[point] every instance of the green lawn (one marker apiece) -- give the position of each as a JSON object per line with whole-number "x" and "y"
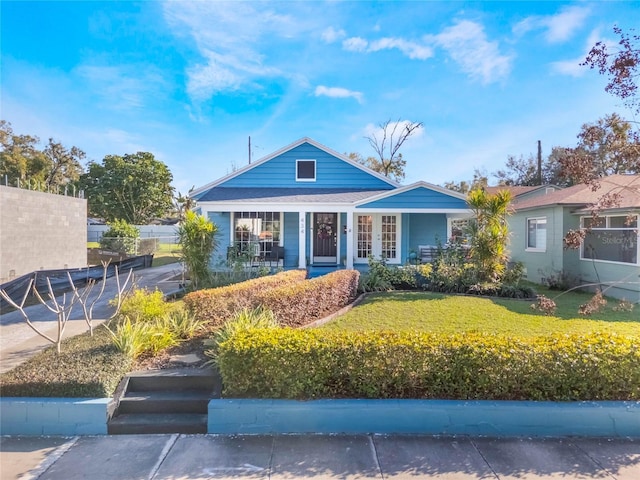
{"x": 454, "y": 314}
{"x": 166, "y": 253}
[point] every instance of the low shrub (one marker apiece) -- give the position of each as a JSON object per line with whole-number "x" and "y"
{"x": 217, "y": 305}
{"x": 88, "y": 366}
{"x": 144, "y": 305}
{"x": 310, "y": 363}
{"x": 301, "y": 303}
{"x": 143, "y": 337}
{"x": 183, "y": 323}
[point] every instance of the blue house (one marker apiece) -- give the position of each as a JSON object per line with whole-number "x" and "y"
{"x": 307, "y": 205}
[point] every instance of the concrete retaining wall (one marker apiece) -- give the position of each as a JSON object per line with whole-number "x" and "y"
{"x": 432, "y": 417}
{"x": 40, "y": 231}
{"x": 53, "y": 416}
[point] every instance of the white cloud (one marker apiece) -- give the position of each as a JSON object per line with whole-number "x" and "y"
{"x": 572, "y": 67}
{"x": 331, "y": 35}
{"x": 355, "y": 44}
{"x": 412, "y": 50}
{"x": 467, "y": 44}
{"x": 229, "y": 36}
{"x": 558, "y": 28}
{"x": 337, "y": 92}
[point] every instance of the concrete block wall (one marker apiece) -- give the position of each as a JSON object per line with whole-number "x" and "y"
{"x": 54, "y": 416}
{"x": 40, "y": 231}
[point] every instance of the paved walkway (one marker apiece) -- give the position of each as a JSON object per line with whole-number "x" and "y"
{"x": 18, "y": 341}
{"x": 315, "y": 456}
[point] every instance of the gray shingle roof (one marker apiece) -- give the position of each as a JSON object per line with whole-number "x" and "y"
{"x": 287, "y": 195}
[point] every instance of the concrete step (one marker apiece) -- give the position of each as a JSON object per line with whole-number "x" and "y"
{"x": 139, "y": 423}
{"x": 205, "y": 380}
{"x": 175, "y": 401}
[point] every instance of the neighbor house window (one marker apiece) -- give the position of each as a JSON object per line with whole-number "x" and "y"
{"x": 306, "y": 170}
{"x": 537, "y": 234}
{"x": 611, "y": 239}
{"x": 256, "y": 232}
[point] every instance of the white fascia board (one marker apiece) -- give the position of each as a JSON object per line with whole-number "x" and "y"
{"x": 291, "y": 146}
{"x": 413, "y": 186}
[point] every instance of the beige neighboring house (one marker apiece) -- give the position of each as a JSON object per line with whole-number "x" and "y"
{"x": 610, "y": 252}
{"x": 40, "y": 231}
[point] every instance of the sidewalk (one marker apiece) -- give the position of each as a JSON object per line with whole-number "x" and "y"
{"x": 315, "y": 456}
{"x": 18, "y": 341}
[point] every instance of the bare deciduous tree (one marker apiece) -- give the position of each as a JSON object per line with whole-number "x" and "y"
{"x": 387, "y": 143}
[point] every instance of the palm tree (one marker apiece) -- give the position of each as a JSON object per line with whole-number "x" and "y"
{"x": 489, "y": 232}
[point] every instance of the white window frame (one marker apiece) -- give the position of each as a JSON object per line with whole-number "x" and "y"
{"x": 315, "y": 171}
{"x": 526, "y": 236}
{"x": 606, "y": 227}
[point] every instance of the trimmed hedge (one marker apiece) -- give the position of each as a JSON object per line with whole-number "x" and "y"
{"x": 306, "y": 364}
{"x": 217, "y": 305}
{"x": 88, "y": 366}
{"x": 301, "y": 303}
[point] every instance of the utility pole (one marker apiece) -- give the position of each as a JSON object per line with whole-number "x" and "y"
{"x": 539, "y": 162}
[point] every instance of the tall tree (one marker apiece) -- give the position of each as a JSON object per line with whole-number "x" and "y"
{"x": 64, "y": 164}
{"x": 480, "y": 180}
{"x": 22, "y": 160}
{"x": 606, "y": 147}
{"x": 134, "y": 187}
{"x": 621, "y": 64}
{"x": 387, "y": 142}
{"x": 524, "y": 172}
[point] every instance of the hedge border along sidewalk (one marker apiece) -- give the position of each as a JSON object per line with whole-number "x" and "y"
{"x": 310, "y": 364}
{"x": 217, "y": 305}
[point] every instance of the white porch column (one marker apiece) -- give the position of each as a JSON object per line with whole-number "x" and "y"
{"x": 349, "y": 264}
{"x": 302, "y": 238}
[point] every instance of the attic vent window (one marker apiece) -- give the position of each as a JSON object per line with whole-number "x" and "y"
{"x": 305, "y": 170}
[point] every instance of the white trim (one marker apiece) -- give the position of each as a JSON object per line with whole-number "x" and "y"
{"x": 291, "y": 146}
{"x": 612, "y": 229}
{"x": 527, "y": 248}
{"x": 376, "y": 243}
{"x": 315, "y": 171}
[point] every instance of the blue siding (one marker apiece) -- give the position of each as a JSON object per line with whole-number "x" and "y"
{"x": 291, "y": 240}
{"x": 419, "y": 197}
{"x": 426, "y": 229}
{"x": 222, "y": 221}
{"x": 405, "y": 244}
{"x": 331, "y": 172}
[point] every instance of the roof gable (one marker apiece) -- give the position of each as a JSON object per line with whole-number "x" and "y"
{"x": 419, "y": 195}
{"x": 627, "y": 186}
{"x": 278, "y": 169}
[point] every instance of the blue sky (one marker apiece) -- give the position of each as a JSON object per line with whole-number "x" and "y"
{"x": 191, "y": 81}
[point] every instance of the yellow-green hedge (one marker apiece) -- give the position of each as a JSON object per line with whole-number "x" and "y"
{"x": 305, "y": 364}
{"x": 217, "y": 305}
{"x": 301, "y": 303}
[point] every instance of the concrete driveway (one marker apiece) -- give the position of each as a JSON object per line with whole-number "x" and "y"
{"x": 315, "y": 457}
{"x": 18, "y": 341}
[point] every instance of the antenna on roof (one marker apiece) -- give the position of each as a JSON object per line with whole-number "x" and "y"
{"x": 249, "y": 149}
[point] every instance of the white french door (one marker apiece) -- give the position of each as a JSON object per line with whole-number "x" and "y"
{"x": 378, "y": 235}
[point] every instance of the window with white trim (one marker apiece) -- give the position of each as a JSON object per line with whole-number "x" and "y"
{"x": 256, "y": 232}
{"x": 537, "y": 234}
{"x": 305, "y": 170}
{"x": 611, "y": 238}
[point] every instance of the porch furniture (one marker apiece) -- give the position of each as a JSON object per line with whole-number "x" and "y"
{"x": 427, "y": 253}
{"x": 274, "y": 258}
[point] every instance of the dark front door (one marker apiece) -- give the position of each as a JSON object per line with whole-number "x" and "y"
{"x": 325, "y": 237}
